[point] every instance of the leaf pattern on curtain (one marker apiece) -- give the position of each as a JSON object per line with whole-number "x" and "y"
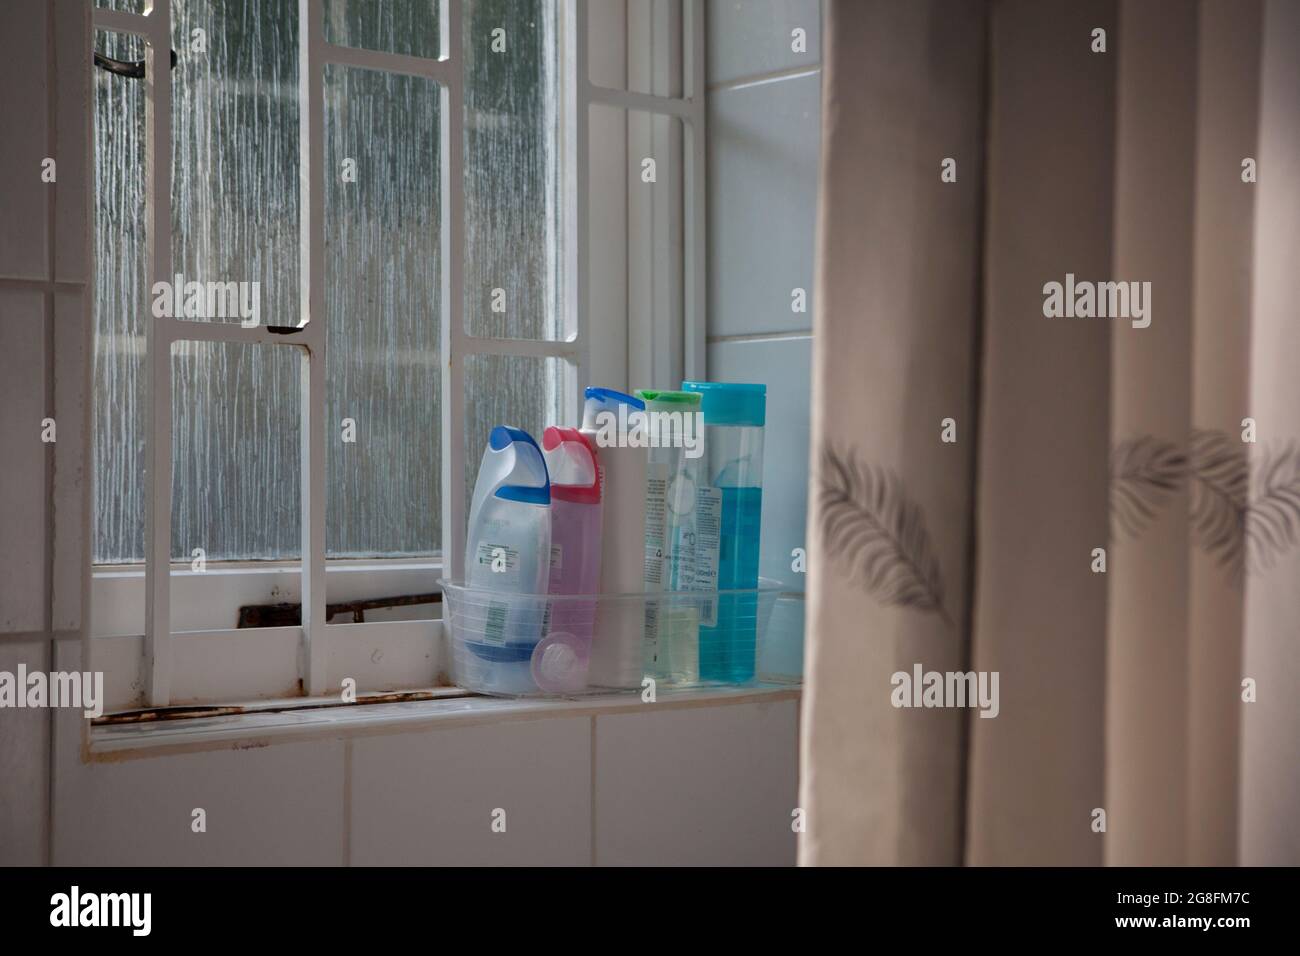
{"x": 1240, "y": 529}
{"x": 1273, "y": 522}
{"x": 877, "y": 534}
{"x": 1220, "y": 473}
{"x": 1144, "y": 472}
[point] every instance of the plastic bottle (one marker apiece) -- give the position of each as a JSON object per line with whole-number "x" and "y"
{"x": 673, "y": 475}
{"x": 507, "y": 565}
{"x": 728, "y": 514}
{"x": 560, "y": 660}
{"x": 616, "y": 650}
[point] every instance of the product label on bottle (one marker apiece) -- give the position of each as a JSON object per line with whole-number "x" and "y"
{"x": 682, "y": 576}
{"x": 679, "y": 575}
{"x": 656, "y": 514}
{"x": 499, "y": 558}
{"x": 656, "y": 524}
{"x": 495, "y": 630}
{"x": 708, "y": 540}
{"x": 555, "y": 582}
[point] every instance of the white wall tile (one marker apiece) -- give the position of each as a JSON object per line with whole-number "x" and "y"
{"x": 697, "y": 786}
{"x": 749, "y": 37}
{"x": 24, "y": 766}
{"x": 764, "y": 143}
{"x": 71, "y": 469}
{"x": 266, "y": 805}
{"x": 275, "y": 806}
{"x": 22, "y": 476}
{"x": 428, "y": 798}
{"x": 72, "y": 48}
{"x": 24, "y": 243}
{"x": 785, "y": 366}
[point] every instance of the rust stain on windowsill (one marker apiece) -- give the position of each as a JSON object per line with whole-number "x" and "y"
{"x": 198, "y": 711}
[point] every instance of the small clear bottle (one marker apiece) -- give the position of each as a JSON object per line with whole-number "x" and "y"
{"x": 673, "y": 477}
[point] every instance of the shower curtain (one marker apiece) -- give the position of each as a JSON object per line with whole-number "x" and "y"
{"x": 1056, "y": 434}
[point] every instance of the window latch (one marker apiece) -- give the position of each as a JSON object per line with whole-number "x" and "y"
{"x": 131, "y": 69}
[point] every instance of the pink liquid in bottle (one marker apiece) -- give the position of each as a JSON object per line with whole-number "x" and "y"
{"x": 560, "y": 660}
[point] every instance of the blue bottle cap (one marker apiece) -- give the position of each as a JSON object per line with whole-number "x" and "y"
{"x": 731, "y": 403}
{"x": 500, "y": 438}
{"x": 611, "y": 395}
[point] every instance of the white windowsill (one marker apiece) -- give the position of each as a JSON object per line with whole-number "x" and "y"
{"x": 252, "y": 730}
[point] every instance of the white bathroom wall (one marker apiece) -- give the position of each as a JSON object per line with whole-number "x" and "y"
{"x": 764, "y": 132}
{"x": 697, "y": 783}
{"x": 672, "y": 784}
{"x": 43, "y": 326}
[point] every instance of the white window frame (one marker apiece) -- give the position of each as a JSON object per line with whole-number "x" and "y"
{"x": 201, "y": 663}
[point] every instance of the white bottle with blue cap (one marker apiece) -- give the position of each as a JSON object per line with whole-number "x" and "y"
{"x": 507, "y": 566}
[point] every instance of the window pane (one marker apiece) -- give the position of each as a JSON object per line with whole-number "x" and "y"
{"x": 651, "y": 56}
{"x": 383, "y": 265}
{"x": 126, "y": 6}
{"x": 235, "y": 219}
{"x": 652, "y": 259}
{"x": 236, "y": 473}
{"x": 525, "y": 391}
{"x": 235, "y": 150}
{"x": 511, "y": 195}
{"x": 120, "y": 312}
{"x": 409, "y": 27}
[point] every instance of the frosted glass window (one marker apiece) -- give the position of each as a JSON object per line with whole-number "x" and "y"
{"x": 409, "y": 27}
{"x": 525, "y": 391}
{"x": 382, "y": 263}
{"x": 511, "y": 140}
{"x": 235, "y": 417}
{"x": 235, "y": 149}
{"x": 121, "y": 297}
{"x": 235, "y": 218}
{"x": 126, "y": 6}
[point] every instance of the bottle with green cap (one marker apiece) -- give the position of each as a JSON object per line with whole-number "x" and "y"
{"x": 727, "y": 517}
{"x": 674, "y": 432}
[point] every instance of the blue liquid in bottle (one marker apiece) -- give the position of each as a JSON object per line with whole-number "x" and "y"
{"x": 727, "y": 651}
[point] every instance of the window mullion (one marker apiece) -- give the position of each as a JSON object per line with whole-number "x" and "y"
{"x": 311, "y": 119}
{"x": 158, "y": 389}
{"x": 576, "y": 90}
{"x": 452, "y": 227}
{"x": 695, "y": 205}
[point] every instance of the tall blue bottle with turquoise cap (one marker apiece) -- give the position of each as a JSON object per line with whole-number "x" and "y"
{"x": 728, "y": 516}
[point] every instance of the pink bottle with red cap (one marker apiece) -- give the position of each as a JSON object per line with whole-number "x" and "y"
{"x": 560, "y": 661}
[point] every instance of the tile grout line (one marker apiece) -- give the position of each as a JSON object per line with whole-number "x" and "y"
{"x": 759, "y": 337}
{"x": 771, "y": 76}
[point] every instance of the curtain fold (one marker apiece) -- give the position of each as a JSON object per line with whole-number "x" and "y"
{"x": 1151, "y": 391}
{"x": 1065, "y": 501}
{"x": 1036, "y": 771}
{"x": 1270, "y": 759}
{"x": 1227, "y": 103}
{"x": 902, "y": 92}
